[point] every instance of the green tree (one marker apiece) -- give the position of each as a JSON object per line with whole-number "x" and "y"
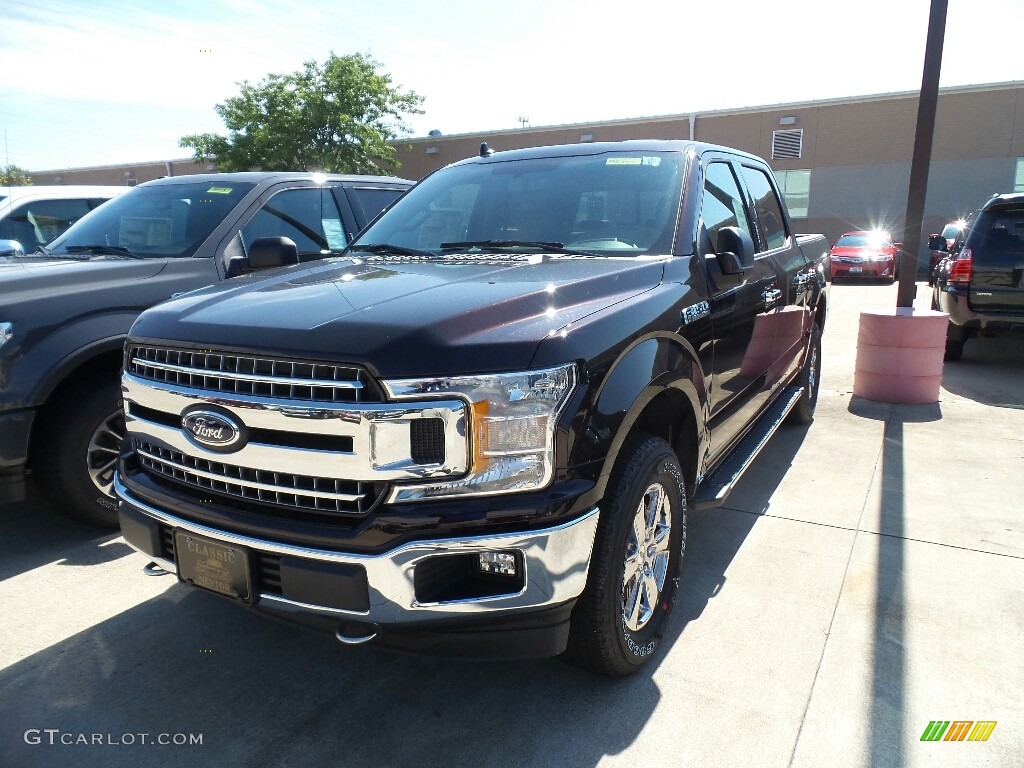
{"x": 13, "y": 176}
{"x": 336, "y": 117}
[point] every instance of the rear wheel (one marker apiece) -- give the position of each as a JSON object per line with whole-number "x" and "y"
{"x": 620, "y": 618}
{"x": 77, "y": 451}
{"x": 955, "y": 340}
{"x": 810, "y": 380}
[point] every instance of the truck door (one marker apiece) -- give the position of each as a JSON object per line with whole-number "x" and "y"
{"x": 786, "y": 327}
{"x": 738, "y": 364}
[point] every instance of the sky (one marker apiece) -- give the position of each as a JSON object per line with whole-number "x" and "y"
{"x": 97, "y": 82}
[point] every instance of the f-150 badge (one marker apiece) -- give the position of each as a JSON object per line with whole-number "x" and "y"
{"x": 695, "y": 312}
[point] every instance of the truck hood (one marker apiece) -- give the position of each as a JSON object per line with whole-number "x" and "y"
{"x": 404, "y": 318}
{"x": 32, "y": 279}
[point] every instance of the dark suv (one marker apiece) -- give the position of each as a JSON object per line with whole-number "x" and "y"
{"x": 980, "y": 284}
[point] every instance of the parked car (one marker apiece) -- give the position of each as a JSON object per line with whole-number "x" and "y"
{"x": 33, "y": 216}
{"x": 980, "y": 283}
{"x": 480, "y": 433}
{"x": 65, "y": 309}
{"x": 865, "y": 254}
{"x": 935, "y": 255}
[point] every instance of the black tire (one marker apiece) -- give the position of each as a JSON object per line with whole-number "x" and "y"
{"x": 648, "y": 481}
{"x": 75, "y": 451}
{"x": 954, "y": 349}
{"x": 810, "y": 380}
{"x": 955, "y": 340}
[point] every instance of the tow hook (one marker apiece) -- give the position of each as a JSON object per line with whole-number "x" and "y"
{"x": 356, "y": 633}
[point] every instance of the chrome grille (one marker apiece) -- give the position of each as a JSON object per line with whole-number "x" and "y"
{"x": 249, "y": 375}
{"x": 315, "y": 494}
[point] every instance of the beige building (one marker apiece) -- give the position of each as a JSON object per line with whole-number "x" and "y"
{"x": 843, "y": 164}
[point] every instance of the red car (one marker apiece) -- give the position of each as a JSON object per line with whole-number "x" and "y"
{"x": 865, "y": 254}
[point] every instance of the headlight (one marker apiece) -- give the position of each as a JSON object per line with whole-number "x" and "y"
{"x": 6, "y": 333}
{"x": 511, "y": 429}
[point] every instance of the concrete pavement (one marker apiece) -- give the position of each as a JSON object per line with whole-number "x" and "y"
{"x": 866, "y": 577}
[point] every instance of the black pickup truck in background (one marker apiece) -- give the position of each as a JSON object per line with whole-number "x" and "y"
{"x": 65, "y": 309}
{"x": 480, "y": 429}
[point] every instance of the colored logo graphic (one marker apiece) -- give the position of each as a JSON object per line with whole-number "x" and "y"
{"x": 958, "y": 730}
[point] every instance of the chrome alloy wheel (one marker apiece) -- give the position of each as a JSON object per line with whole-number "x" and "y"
{"x": 104, "y": 448}
{"x": 647, "y": 557}
{"x": 812, "y": 370}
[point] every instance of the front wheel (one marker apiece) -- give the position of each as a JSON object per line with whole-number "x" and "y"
{"x": 620, "y": 618}
{"x": 80, "y": 444}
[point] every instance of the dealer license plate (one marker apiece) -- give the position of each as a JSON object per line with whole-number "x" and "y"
{"x": 212, "y": 565}
{"x": 856, "y": 270}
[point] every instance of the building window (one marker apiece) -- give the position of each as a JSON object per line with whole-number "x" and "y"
{"x": 795, "y": 187}
{"x": 1018, "y": 177}
{"x": 787, "y": 144}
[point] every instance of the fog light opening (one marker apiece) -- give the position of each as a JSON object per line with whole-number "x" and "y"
{"x": 498, "y": 563}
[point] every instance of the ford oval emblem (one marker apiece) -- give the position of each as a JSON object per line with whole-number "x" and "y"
{"x": 214, "y": 430}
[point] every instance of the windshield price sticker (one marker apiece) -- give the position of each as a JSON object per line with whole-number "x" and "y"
{"x": 219, "y": 191}
{"x": 652, "y": 161}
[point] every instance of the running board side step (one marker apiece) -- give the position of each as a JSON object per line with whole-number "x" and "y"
{"x": 717, "y": 486}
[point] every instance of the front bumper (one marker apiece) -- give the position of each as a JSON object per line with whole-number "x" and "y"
{"x": 882, "y": 268}
{"x": 387, "y": 600}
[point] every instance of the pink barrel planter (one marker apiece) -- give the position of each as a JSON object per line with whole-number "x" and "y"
{"x": 899, "y": 355}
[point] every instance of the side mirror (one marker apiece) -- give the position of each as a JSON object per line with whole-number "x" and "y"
{"x": 265, "y": 253}
{"x": 735, "y": 251}
{"x": 936, "y": 243}
{"x": 11, "y": 248}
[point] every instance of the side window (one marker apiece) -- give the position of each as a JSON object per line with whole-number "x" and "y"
{"x": 39, "y": 222}
{"x": 373, "y": 200}
{"x": 722, "y": 205}
{"x": 770, "y": 223}
{"x": 308, "y": 216}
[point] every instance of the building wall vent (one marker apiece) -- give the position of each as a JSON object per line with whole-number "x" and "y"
{"x": 787, "y": 144}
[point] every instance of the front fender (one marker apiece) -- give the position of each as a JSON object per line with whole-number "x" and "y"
{"x": 655, "y": 365}
{"x": 44, "y": 365}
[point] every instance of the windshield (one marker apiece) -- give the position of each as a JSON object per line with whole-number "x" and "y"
{"x": 864, "y": 241}
{"x": 951, "y": 231}
{"x": 162, "y": 220}
{"x": 622, "y": 203}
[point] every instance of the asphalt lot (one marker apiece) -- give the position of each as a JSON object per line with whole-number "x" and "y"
{"x": 866, "y": 578}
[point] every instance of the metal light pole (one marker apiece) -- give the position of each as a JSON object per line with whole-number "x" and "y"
{"x": 922, "y": 154}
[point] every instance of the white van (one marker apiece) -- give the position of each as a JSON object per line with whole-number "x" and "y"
{"x": 33, "y": 216}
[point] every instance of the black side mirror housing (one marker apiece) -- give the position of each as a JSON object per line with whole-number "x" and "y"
{"x": 936, "y": 243}
{"x": 735, "y": 251}
{"x": 265, "y": 253}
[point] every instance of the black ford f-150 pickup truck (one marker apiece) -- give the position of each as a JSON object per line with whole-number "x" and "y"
{"x": 65, "y": 309}
{"x": 480, "y": 429}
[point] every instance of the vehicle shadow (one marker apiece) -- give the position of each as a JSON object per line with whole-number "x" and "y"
{"x": 989, "y": 373}
{"x": 34, "y": 533}
{"x": 715, "y": 536}
{"x": 265, "y": 694}
{"x": 881, "y": 282}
